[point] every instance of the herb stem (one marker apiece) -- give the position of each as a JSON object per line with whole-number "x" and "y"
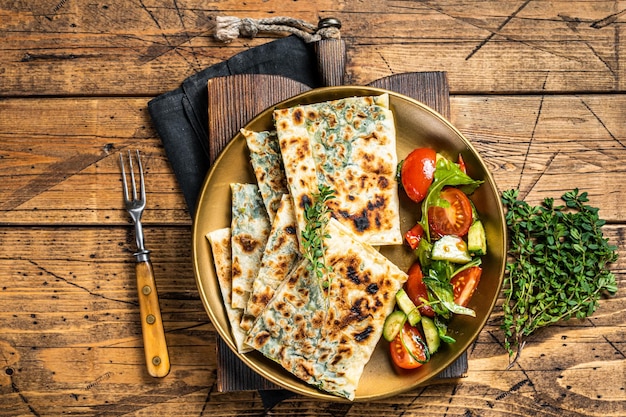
{"x": 317, "y": 216}
{"x": 560, "y": 265}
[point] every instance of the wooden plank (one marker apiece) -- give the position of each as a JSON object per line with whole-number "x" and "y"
{"x": 228, "y": 112}
{"x": 540, "y": 144}
{"x": 79, "y": 332}
{"x": 75, "y": 346}
{"x": 563, "y": 45}
{"x": 63, "y": 165}
{"x": 429, "y": 88}
{"x": 146, "y": 48}
{"x": 544, "y": 145}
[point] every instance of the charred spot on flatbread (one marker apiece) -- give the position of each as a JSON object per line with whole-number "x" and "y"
{"x": 247, "y": 242}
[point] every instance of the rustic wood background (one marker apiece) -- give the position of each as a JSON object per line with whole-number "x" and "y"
{"x": 537, "y": 86}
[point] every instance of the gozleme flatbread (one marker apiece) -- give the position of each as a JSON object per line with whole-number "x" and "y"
{"x": 268, "y": 169}
{"x": 281, "y": 254}
{"x": 250, "y": 228}
{"x": 326, "y": 339}
{"x": 348, "y": 145}
{"x": 220, "y": 247}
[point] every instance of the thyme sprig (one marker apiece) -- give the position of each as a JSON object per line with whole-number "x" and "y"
{"x": 317, "y": 215}
{"x": 559, "y": 266}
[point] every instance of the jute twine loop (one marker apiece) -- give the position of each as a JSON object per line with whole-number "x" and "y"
{"x": 229, "y": 28}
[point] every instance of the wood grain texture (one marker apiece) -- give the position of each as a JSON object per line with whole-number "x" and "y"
{"x": 70, "y": 175}
{"x": 76, "y": 345}
{"x": 331, "y": 61}
{"x": 235, "y": 100}
{"x": 80, "y": 48}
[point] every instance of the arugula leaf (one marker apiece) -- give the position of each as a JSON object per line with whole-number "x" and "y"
{"x": 443, "y": 293}
{"x": 442, "y": 329}
{"x": 560, "y": 266}
{"x": 438, "y": 283}
{"x": 447, "y": 173}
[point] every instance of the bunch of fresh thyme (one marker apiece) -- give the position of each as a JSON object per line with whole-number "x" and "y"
{"x": 317, "y": 215}
{"x": 559, "y": 266}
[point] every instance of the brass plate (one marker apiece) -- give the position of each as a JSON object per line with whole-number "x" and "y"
{"x": 417, "y": 126}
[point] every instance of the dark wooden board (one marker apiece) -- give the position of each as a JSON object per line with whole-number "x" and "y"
{"x": 228, "y": 112}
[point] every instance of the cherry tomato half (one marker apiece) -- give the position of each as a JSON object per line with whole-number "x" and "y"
{"x": 413, "y": 236}
{"x": 417, "y": 291}
{"x": 464, "y": 284}
{"x": 453, "y": 220}
{"x": 417, "y": 173}
{"x": 409, "y": 338}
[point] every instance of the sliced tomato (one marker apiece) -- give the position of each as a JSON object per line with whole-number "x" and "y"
{"x": 464, "y": 284}
{"x": 408, "y": 350}
{"x": 417, "y": 173}
{"x": 417, "y": 291}
{"x": 413, "y": 236}
{"x": 455, "y": 219}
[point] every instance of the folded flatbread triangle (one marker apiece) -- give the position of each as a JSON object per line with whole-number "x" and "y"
{"x": 267, "y": 165}
{"x": 326, "y": 336}
{"x": 280, "y": 256}
{"x": 348, "y": 145}
{"x": 250, "y": 228}
{"x": 220, "y": 247}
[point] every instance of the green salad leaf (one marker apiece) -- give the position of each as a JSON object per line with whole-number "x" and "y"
{"x": 438, "y": 283}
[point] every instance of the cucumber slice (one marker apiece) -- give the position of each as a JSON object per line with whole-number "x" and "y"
{"x": 451, "y": 248}
{"x": 408, "y": 307}
{"x": 431, "y": 334}
{"x": 414, "y": 317}
{"x": 393, "y": 324}
{"x": 476, "y": 239}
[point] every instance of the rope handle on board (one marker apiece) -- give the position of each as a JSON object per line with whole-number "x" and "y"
{"x": 229, "y": 28}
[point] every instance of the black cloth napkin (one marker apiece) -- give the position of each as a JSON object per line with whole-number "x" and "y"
{"x": 180, "y": 116}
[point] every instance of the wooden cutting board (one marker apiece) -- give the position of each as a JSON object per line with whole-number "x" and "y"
{"x": 234, "y": 100}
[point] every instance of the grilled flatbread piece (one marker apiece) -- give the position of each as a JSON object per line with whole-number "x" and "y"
{"x": 250, "y": 228}
{"x": 348, "y": 145}
{"x": 326, "y": 337}
{"x": 281, "y": 254}
{"x": 220, "y": 246}
{"x": 268, "y": 168}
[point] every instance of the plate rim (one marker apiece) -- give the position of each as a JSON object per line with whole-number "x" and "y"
{"x": 298, "y": 386}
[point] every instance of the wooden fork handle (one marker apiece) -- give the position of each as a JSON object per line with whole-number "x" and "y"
{"x": 155, "y": 347}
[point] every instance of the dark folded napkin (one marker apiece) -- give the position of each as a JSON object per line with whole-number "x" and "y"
{"x": 180, "y": 116}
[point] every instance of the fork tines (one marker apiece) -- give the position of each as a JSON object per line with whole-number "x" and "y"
{"x": 142, "y": 190}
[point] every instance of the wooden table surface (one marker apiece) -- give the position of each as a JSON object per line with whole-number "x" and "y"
{"x": 537, "y": 86}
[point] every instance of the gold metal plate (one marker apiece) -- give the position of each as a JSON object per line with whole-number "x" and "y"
{"x": 417, "y": 126}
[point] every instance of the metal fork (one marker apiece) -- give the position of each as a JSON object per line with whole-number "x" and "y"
{"x": 155, "y": 347}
